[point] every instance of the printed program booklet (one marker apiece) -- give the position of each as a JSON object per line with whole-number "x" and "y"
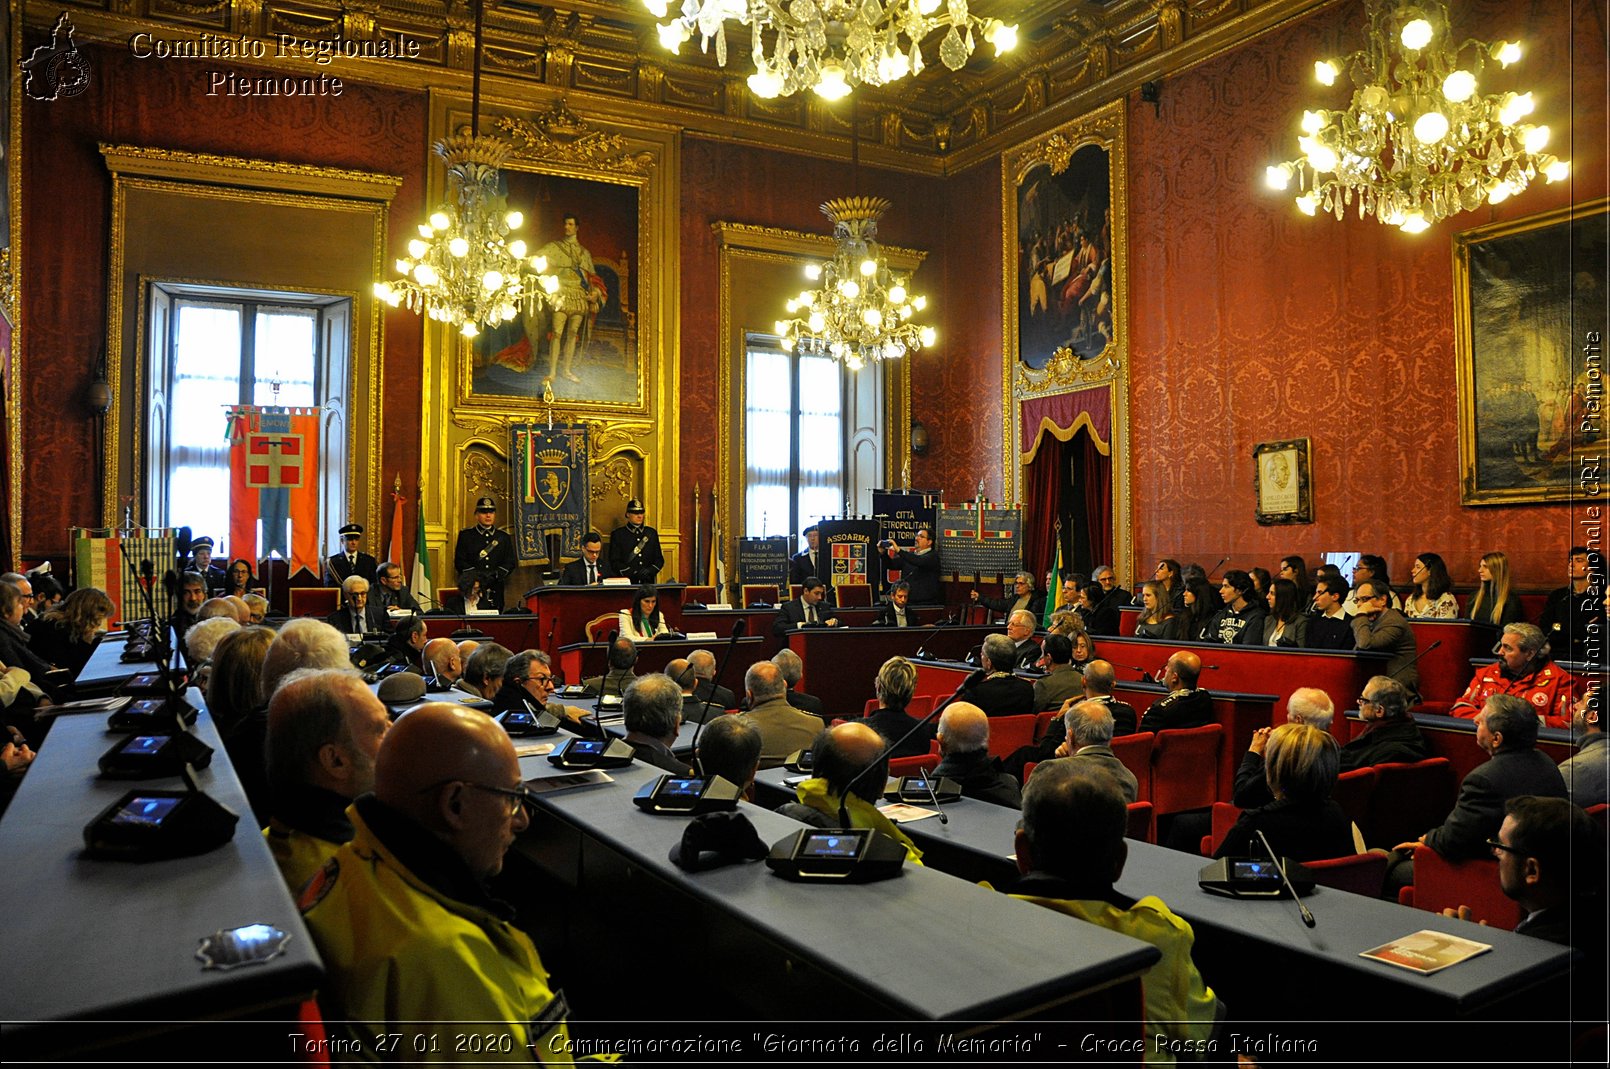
{"x": 1427, "y": 951}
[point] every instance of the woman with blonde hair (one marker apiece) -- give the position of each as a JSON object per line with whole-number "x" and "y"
{"x": 1494, "y": 602}
{"x": 1300, "y": 763}
{"x": 65, "y": 635}
{"x": 1157, "y": 616}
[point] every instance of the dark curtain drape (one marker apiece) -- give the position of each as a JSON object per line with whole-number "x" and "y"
{"x": 1043, "y": 483}
{"x": 1089, "y": 503}
{"x": 1067, "y": 478}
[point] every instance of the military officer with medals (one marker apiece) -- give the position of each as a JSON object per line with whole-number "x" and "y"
{"x": 351, "y": 560}
{"x": 634, "y": 550}
{"x": 487, "y": 550}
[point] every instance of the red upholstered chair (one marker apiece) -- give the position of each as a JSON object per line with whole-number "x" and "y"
{"x": 1441, "y": 884}
{"x": 908, "y": 766}
{"x": 601, "y": 625}
{"x": 1185, "y": 768}
{"x": 1352, "y": 792}
{"x": 854, "y": 595}
{"x": 1141, "y": 824}
{"x": 1135, "y": 751}
{"x": 753, "y": 592}
{"x": 1042, "y": 722}
{"x": 1600, "y": 812}
{"x": 1408, "y": 800}
{"x": 1007, "y": 733}
{"x": 921, "y": 705}
{"x": 1028, "y": 770}
{"x": 1362, "y": 874}
{"x": 314, "y": 600}
{"x": 872, "y": 706}
{"x": 704, "y": 595}
{"x": 1224, "y": 817}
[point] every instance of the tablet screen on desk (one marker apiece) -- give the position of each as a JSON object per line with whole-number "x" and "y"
{"x": 830, "y": 844}
{"x": 682, "y": 788}
{"x": 144, "y": 744}
{"x": 1255, "y": 870}
{"x": 586, "y": 746}
{"x": 146, "y": 812}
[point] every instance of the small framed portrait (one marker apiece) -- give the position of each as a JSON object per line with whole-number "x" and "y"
{"x": 1280, "y": 480}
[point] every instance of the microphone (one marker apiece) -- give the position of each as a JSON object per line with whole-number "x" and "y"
{"x": 1138, "y": 670}
{"x": 181, "y": 545}
{"x": 882, "y": 759}
{"x": 1216, "y": 566}
{"x": 1280, "y": 866}
{"x": 928, "y": 785}
{"x": 1416, "y": 657}
{"x": 740, "y": 624}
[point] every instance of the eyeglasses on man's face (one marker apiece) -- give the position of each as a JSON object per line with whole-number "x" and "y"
{"x": 517, "y": 796}
{"x": 1498, "y": 847}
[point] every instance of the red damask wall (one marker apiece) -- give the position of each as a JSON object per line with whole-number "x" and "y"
{"x": 66, "y": 216}
{"x": 1251, "y": 322}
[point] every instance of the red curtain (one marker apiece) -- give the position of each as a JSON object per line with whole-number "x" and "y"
{"x": 1043, "y": 481}
{"x": 1068, "y": 479}
{"x": 1092, "y": 474}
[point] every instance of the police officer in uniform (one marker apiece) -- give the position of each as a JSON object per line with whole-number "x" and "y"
{"x": 487, "y": 550}
{"x": 350, "y": 561}
{"x": 634, "y": 550}
{"x": 201, "y": 563}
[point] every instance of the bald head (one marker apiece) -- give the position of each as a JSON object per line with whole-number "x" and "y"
{"x": 466, "y": 649}
{"x": 1311, "y": 706}
{"x": 764, "y": 682}
{"x": 963, "y": 728}
{"x": 243, "y": 611}
{"x": 682, "y": 672}
{"x": 443, "y": 657}
{"x": 842, "y": 753}
{"x": 220, "y": 607}
{"x": 444, "y": 766}
{"x": 1184, "y": 668}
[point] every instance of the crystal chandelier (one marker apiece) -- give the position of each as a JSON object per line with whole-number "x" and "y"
{"x": 462, "y": 269}
{"x": 1417, "y": 143}
{"x": 833, "y": 45}
{"x": 862, "y": 310}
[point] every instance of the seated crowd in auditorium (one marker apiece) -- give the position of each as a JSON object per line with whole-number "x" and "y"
{"x": 400, "y": 793}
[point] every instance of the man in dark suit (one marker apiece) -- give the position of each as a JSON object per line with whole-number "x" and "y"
{"x": 897, "y": 611}
{"x": 487, "y": 551}
{"x": 1020, "y": 629}
{"x": 1111, "y": 593}
{"x": 994, "y": 688}
{"x": 360, "y": 616}
{"x": 588, "y": 569}
{"x": 694, "y": 708}
{"x": 1390, "y": 734}
{"x": 1330, "y": 628}
{"x": 351, "y": 560}
{"x": 653, "y": 712}
{"x": 806, "y": 562}
{"x": 703, "y": 663}
{"x": 634, "y": 549}
{"x": 391, "y": 590}
{"x": 1506, "y": 728}
{"x": 793, "y": 670}
{"x": 919, "y": 567}
{"x": 1185, "y": 705}
{"x": 807, "y": 610}
{"x": 965, "y": 757}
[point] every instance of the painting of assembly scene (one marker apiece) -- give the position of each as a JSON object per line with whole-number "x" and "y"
{"x": 1064, "y": 272}
{"x": 584, "y": 343}
{"x": 1530, "y": 349}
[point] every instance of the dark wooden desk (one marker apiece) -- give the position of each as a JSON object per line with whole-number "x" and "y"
{"x": 517, "y": 633}
{"x": 1258, "y": 955}
{"x": 753, "y": 944}
{"x": 842, "y": 662}
{"x": 562, "y": 612}
{"x": 109, "y": 941}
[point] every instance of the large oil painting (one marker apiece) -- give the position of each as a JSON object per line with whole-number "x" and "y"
{"x": 584, "y": 342}
{"x": 1529, "y": 337}
{"x": 1065, "y": 243}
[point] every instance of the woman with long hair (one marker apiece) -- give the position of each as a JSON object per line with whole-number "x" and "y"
{"x": 239, "y": 580}
{"x": 1168, "y": 574}
{"x": 1286, "y": 624}
{"x": 65, "y": 635}
{"x": 1296, "y": 569}
{"x": 1200, "y": 604}
{"x": 1495, "y": 603}
{"x": 643, "y": 622}
{"x": 1157, "y": 616}
{"x": 1432, "y": 598}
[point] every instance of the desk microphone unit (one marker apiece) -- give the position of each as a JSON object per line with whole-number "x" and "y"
{"x": 151, "y": 756}
{"x": 522, "y": 722}
{"x": 858, "y": 855}
{"x": 687, "y": 796}
{"x": 800, "y": 761}
{"x": 923, "y": 789}
{"x": 593, "y": 753}
{"x": 1246, "y": 877}
{"x": 151, "y": 825}
{"x": 152, "y": 716}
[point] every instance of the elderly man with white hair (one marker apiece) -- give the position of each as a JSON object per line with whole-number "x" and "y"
{"x": 1307, "y": 705}
{"x": 359, "y": 615}
{"x": 1089, "y": 727}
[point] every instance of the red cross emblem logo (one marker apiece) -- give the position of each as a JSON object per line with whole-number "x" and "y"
{"x": 274, "y": 460}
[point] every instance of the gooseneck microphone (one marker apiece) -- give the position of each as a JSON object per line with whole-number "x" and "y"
{"x": 740, "y": 624}
{"x": 1280, "y": 867}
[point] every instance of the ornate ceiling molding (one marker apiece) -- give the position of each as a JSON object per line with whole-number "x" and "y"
{"x": 1075, "y": 57}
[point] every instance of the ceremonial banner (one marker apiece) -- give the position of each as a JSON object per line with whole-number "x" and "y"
{"x": 274, "y": 480}
{"x": 848, "y": 547}
{"x": 424, "y": 589}
{"x": 718, "y": 550}
{"x": 552, "y": 491}
{"x": 764, "y": 560}
{"x": 98, "y": 561}
{"x": 980, "y": 539}
{"x": 899, "y": 514}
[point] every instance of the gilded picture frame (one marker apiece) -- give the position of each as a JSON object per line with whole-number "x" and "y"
{"x": 1281, "y": 485}
{"x": 1530, "y": 300}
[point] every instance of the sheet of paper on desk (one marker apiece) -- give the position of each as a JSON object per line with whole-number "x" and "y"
{"x": 532, "y": 749}
{"x": 1426, "y": 951}
{"x": 901, "y": 813}
{"x": 564, "y": 783}
{"x": 87, "y": 705}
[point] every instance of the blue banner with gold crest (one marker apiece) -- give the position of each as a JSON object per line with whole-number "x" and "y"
{"x": 552, "y": 493}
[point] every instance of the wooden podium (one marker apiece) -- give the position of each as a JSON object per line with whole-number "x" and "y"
{"x": 563, "y": 611}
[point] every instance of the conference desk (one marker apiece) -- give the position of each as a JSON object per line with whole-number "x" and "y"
{"x": 106, "y": 671}
{"x": 563, "y": 612}
{"x": 737, "y": 941}
{"x": 1258, "y": 955}
{"x": 842, "y": 662}
{"x": 104, "y": 952}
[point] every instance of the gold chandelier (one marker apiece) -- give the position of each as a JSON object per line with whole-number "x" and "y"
{"x": 861, "y": 310}
{"x": 832, "y": 45}
{"x": 463, "y": 269}
{"x": 1417, "y": 143}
